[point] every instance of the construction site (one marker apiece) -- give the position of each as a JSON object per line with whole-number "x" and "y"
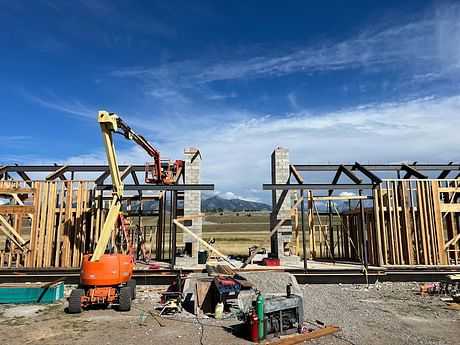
{"x": 229, "y": 172}
{"x": 348, "y": 254}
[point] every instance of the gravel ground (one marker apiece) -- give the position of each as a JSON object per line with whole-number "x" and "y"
{"x": 388, "y": 313}
{"x": 384, "y": 313}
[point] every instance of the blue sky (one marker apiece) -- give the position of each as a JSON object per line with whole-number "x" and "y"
{"x": 336, "y": 82}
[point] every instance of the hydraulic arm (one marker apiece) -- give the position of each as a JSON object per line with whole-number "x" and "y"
{"x": 111, "y": 123}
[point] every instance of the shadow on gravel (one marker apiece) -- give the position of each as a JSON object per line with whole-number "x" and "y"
{"x": 239, "y": 330}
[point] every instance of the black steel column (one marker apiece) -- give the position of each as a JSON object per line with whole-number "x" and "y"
{"x": 363, "y": 229}
{"x": 331, "y": 232}
{"x": 174, "y": 231}
{"x": 304, "y": 244}
{"x": 172, "y": 215}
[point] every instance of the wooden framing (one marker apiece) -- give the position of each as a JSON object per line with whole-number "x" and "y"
{"x": 411, "y": 222}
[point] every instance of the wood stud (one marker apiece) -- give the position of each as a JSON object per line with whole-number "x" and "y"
{"x": 409, "y": 225}
{"x": 412, "y": 222}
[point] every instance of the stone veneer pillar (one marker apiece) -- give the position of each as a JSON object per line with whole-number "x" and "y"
{"x": 192, "y": 199}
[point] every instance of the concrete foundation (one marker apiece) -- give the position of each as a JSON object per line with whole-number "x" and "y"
{"x": 192, "y": 199}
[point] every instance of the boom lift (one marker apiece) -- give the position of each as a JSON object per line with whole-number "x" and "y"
{"x": 106, "y": 278}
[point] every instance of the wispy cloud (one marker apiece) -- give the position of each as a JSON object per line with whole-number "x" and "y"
{"x": 429, "y": 47}
{"x": 13, "y": 139}
{"x": 74, "y": 108}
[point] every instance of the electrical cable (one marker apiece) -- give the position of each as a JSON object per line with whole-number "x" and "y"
{"x": 202, "y": 330}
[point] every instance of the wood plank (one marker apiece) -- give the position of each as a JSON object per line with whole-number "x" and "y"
{"x": 13, "y": 234}
{"x": 300, "y": 338}
{"x": 351, "y": 197}
{"x": 449, "y": 208}
{"x": 422, "y": 216}
{"x": 407, "y": 227}
{"x": 77, "y": 229}
{"x": 439, "y": 224}
{"x": 432, "y": 230}
{"x": 449, "y": 189}
{"x": 398, "y": 232}
{"x": 67, "y": 225}
{"x": 391, "y": 236}
{"x": 296, "y": 174}
{"x": 414, "y": 223}
{"x": 187, "y": 218}
{"x": 207, "y": 245}
{"x": 452, "y": 225}
{"x": 42, "y": 225}
{"x": 16, "y": 190}
{"x": 84, "y": 222}
{"x": 50, "y": 227}
{"x": 18, "y": 259}
{"x": 33, "y": 228}
{"x": 384, "y": 225}
{"x": 60, "y": 225}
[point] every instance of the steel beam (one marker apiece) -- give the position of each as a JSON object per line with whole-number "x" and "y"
{"x": 142, "y": 187}
{"x": 367, "y": 172}
{"x": 377, "y": 167}
{"x": 102, "y": 177}
{"x": 411, "y": 171}
{"x": 317, "y": 186}
{"x": 444, "y": 173}
{"x": 70, "y": 168}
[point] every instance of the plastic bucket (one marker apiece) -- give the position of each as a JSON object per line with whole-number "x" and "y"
{"x": 202, "y": 256}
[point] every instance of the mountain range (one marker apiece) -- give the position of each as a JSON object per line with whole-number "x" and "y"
{"x": 218, "y": 204}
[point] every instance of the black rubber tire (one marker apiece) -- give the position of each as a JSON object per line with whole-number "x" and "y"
{"x": 132, "y": 286}
{"x": 75, "y": 301}
{"x": 124, "y": 299}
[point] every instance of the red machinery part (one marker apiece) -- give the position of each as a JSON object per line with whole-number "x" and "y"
{"x": 271, "y": 262}
{"x": 253, "y": 327}
{"x": 100, "y": 295}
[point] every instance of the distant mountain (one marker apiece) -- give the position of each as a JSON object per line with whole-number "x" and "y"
{"x": 213, "y": 204}
{"x": 219, "y": 204}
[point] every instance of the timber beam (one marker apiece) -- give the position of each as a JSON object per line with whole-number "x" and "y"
{"x": 58, "y": 173}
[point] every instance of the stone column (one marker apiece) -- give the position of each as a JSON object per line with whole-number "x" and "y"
{"x": 281, "y": 202}
{"x": 192, "y": 199}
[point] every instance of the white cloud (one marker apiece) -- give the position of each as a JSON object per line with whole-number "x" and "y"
{"x": 236, "y": 155}
{"x": 347, "y": 194}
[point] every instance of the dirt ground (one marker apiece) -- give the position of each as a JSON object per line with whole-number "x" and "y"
{"x": 387, "y": 313}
